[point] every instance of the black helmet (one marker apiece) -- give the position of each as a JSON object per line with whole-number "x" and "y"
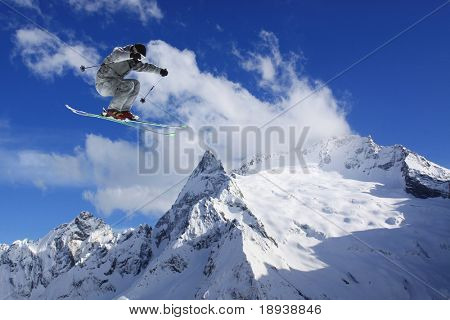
{"x": 141, "y": 49}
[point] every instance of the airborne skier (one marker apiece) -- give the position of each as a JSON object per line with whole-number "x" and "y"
{"x": 110, "y": 79}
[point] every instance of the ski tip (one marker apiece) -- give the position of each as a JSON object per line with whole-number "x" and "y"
{"x": 69, "y": 107}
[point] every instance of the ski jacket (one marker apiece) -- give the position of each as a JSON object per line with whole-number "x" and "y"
{"x": 118, "y": 64}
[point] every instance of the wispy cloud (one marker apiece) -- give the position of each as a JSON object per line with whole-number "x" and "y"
{"x": 28, "y": 4}
{"x": 5, "y": 136}
{"x": 145, "y": 9}
{"x": 107, "y": 169}
{"x": 128, "y": 199}
{"x": 203, "y": 98}
{"x": 46, "y": 55}
{"x": 43, "y": 169}
{"x": 276, "y": 71}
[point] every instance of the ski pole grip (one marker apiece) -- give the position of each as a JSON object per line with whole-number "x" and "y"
{"x": 82, "y": 68}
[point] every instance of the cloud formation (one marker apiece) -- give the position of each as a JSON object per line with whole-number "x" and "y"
{"x": 130, "y": 199}
{"x": 28, "y": 4}
{"x": 43, "y": 169}
{"x": 108, "y": 170}
{"x": 202, "y": 98}
{"x": 47, "y": 56}
{"x": 145, "y": 9}
{"x": 267, "y": 61}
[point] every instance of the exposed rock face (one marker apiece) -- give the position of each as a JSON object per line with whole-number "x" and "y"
{"x": 424, "y": 179}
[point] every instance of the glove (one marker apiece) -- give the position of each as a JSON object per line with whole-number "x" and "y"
{"x": 164, "y": 72}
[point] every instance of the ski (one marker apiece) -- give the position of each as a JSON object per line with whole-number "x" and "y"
{"x": 160, "y": 125}
{"x": 129, "y": 123}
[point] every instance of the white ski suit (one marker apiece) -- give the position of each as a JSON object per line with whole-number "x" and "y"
{"x": 110, "y": 78}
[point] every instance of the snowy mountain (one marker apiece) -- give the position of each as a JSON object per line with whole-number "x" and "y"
{"x": 359, "y": 221}
{"x": 362, "y": 159}
{"x": 83, "y": 259}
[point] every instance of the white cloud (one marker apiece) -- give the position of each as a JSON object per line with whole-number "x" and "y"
{"x": 117, "y": 181}
{"x": 43, "y": 169}
{"x": 47, "y": 56}
{"x": 276, "y": 71}
{"x": 146, "y": 9}
{"x": 107, "y": 169}
{"x": 29, "y": 4}
{"x": 202, "y": 98}
{"x": 129, "y": 199}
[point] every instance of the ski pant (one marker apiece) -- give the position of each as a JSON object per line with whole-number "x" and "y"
{"x": 123, "y": 91}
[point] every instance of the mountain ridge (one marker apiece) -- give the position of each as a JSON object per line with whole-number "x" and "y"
{"x": 422, "y": 178}
{"x": 236, "y": 236}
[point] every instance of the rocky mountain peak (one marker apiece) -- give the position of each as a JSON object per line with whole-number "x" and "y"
{"x": 208, "y": 164}
{"x": 208, "y": 180}
{"x": 85, "y": 215}
{"x": 85, "y": 227}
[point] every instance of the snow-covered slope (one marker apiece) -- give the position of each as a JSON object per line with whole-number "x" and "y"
{"x": 207, "y": 245}
{"x": 81, "y": 259}
{"x": 360, "y": 158}
{"x": 344, "y": 238}
{"x": 362, "y": 221}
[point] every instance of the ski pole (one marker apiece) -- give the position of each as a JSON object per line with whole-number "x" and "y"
{"x": 153, "y": 87}
{"x": 83, "y": 68}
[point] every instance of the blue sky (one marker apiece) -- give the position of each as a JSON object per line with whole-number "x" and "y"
{"x": 400, "y": 95}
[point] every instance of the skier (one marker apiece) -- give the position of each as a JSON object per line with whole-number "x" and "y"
{"x": 110, "y": 79}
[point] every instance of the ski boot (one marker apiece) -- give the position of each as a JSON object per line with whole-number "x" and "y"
{"x": 119, "y": 115}
{"x": 130, "y": 116}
